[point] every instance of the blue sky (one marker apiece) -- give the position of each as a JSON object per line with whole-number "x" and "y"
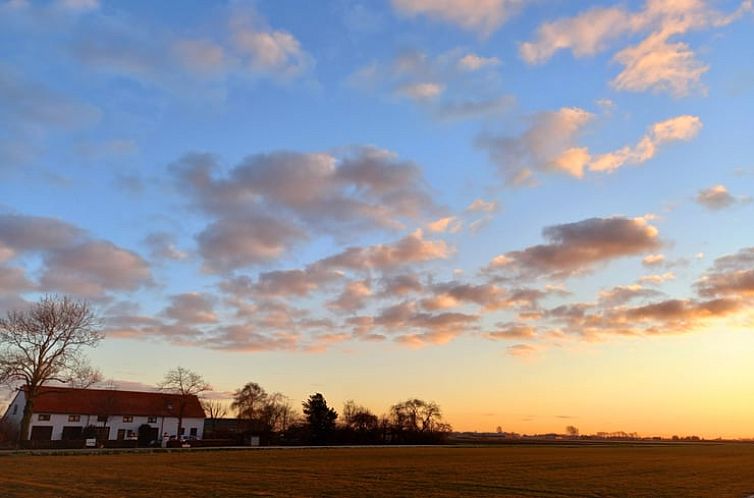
{"x": 486, "y": 191}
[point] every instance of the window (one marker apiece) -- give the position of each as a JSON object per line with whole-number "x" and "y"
{"x": 121, "y": 434}
{"x": 128, "y": 418}
{"x": 152, "y": 420}
{"x": 15, "y": 409}
{"x": 43, "y": 416}
{"x": 193, "y": 431}
{"x": 101, "y": 418}
{"x": 182, "y": 431}
{"x": 74, "y": 418}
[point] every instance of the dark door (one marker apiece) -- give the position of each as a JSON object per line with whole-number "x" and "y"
{"x": 41, "y": 432}
{"x": 147, "y": 434}
{"x": 71, "y": 432}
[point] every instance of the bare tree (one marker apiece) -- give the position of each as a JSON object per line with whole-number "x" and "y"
{"x": 359, "y": 418}
{"x": 186, "y": 384}
{"x": 418, "y": 416}
{"x": 262, "y": 411}
{"x": 44, "y": 344}
{"x": 278, "y": 412}
{"x": 214, "y": 408}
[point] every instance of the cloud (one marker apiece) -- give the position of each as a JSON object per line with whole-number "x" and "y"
{"x": 198, "y": 66}
{"x": 363, "y": 186}
{"x": 411, "y": 327}
{"x": 487, "y": 296}
{"x": 586, "y": 34}
{"x": 512, "y": 331}
{"x": 725, "y": 292}
{"x": 269, "y": 202}
{"x": 578, "y": 247}
{"x": 244, "y": 338}
{"x": 653, "y": 260}
{"x": 656, "y": 63}
{"x": 94, "y": 267}
{"x": 523, "y": 350}
{"x": 449, "y": 224}
{"x": 231, "y": 243}
{"x": 421, "y": 91}
{"x": 668, "y": 316}
{"x": 717, "y": 197}
{"x": 549, "y": 145}
{"x": 26, "y": 103}
{"x": 13, "y": 281}
{"x": 282, "y": 283}
{"x": 401, "y": 285}
{"x": 660, "y": 66}
{"x": 162, "y": 246}
{"x": 80, "y": 5}
{"x": 481, "y": 205}
{"x": 474, "y": 62}
{"x": 411, "y": 249}
{"x": 70, "y": 260}
{"x": 656, "y": 279}
{"x": 730, "y": 276}
{"x": 191, "y": 308}
{"x": 270, "y": 328}
{"x": 32, "y": 114}
{"x": 480, "y": 16}
{"x": 682, "y": 128}
{"x": 353, "y": 297}
{"x": 456, "y": 84}
{"x": 624, "y": 293}
{"x": 20, "y": 233}
{"x": 474, "y": 108}
{"x": 200, "y": 55}
{"x": 268, "y": 51}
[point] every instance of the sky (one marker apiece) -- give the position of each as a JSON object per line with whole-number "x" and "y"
{"x": 536, "y": 213}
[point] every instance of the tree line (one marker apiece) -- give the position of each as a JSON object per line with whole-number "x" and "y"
{"x": 45, "y": 343}
{"x": 272, "y": 417}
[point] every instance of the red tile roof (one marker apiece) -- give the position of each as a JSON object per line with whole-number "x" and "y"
{"x": 112, "y": 402}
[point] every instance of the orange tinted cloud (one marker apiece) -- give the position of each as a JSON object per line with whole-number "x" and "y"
{"x": 413, "y": 248}
{"x": 730, "y": 276}
{"x": 546, "y": 146}
{"x": 578, "y": 247}
{"x": 678, "y": 128}
{"x": 656, "y": 63}
{"x": 717, "y": 197}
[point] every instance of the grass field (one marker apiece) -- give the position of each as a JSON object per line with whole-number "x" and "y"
{"x": 693, "y": 470}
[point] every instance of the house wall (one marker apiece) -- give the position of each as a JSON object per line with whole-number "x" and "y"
{"x": 15, "y": 411}
{"x": 164, "y": 425}
{"x": 168, "y": 425}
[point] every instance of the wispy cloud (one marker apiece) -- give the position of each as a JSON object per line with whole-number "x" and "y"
{"x": 657, "y": 63}
{"x": 550, "y": 145}
{"x": 480, "y": 16}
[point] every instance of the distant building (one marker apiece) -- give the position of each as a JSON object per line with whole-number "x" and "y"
{"x": 63, "y": 413}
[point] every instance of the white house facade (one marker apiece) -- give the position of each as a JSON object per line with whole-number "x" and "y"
{"x": 62, "y": 413}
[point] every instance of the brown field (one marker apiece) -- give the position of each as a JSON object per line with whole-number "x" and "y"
{"x": 684, "y": 470}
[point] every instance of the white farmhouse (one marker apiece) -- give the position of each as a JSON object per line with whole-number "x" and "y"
{"x": 62, "y": 413}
